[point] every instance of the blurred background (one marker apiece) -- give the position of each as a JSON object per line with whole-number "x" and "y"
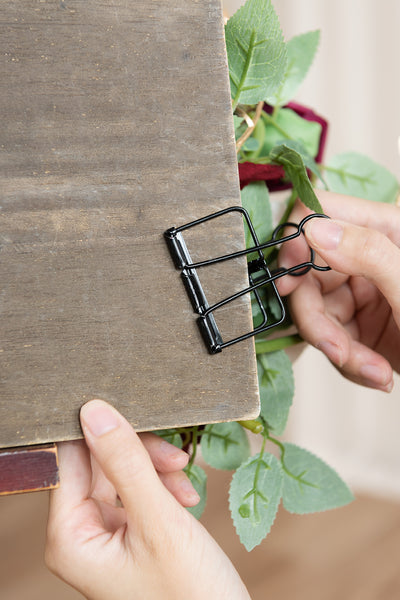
{"x": 351, "y": 553}
{"x": 354, "y": 83}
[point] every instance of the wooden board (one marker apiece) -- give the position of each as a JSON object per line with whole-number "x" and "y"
{"x": 116, "y": 124}
{"x": 34, "y": 468}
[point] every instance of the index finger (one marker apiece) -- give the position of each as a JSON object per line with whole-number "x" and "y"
{"x": 365, "y": 213}
{"x": 360, "y": 251}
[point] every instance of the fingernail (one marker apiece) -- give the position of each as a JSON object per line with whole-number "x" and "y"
{"x": 377, "y": 377}
{"x": 99, "y": 417}
{"x": 189, "y": 491}
{"x": 332, "y": 351}
{"x": 324, "y": 233}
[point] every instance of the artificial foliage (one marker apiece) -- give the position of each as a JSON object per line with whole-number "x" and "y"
{"x": 280, "y": 146}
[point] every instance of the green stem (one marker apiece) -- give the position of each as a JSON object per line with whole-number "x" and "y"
{"x": 194, "y": 447}
{"x": 255, "y": 493}
{"x": 247, "y": 64}
{"x": 260, "y": 462}
{"x": 264, "y": 160}
{"x": 298, "y": 478}
{"x": 343, "y": 174}
{"x": 263, "y": 346}
{"x": 226, "y": 437}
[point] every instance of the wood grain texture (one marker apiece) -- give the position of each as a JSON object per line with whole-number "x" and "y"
{"x": 29, "y": 469}
{"x": 116, "y": 124}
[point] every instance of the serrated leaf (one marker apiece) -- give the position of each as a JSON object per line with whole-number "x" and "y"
{"x": 309, "y": 162}
{"x": 171, "y": 436}
{"x": 198, "y": 477}
{"x": 296, "y": 172}
{"x": 255, "y": 199}
{"x": 225, "y": 445}
{"x": 256, "y": 52}
{"x": 254, "y": 497}
{"x": 276, "y": 384}
{"x": 312, "y": 485}
{"x": 358, "y": 175}
{"x": 301, "y": 50}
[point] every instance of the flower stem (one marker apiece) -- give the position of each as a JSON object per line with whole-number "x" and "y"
{"x": 194, "y": 447}
{"x": 250, "y": 129}
{"x": 264, "y": 346}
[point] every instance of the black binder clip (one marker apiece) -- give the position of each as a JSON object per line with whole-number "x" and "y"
{"x": 258, "y": 272}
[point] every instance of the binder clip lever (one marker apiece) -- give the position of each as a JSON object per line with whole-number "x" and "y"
{"x": 259, "y": 275}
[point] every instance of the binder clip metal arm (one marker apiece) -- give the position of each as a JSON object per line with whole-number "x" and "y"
{"x": 258, "y": 272}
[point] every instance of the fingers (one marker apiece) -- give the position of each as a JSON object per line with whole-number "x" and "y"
{"x": 307, "y": 306}
{"x": 355, "y": 250}
{"x": 169, "y": 461}
{"x": 71, "y": 515}
{"x": 383, "y": 218}
{"x": 365, "y": 213}
{"x": 336, "y": 335}
{"x": 165, "y": 457}
{"x": 126, "y": 462}
{"x": 368, "y": 368}
{"x": 75, "y": 476}
{"x": 180, "y": 486}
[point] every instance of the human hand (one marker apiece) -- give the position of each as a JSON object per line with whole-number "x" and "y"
{"x": 150, "y": 547}
{"x": 351, "y": 313}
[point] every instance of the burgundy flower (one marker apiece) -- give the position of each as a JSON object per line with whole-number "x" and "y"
{"x": 274, "y": 175}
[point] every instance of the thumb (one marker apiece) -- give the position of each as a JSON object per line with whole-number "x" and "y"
{"x": 124, "y": 460}
{"x": 355, "y": 250}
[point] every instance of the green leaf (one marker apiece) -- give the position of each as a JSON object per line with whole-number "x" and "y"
{"x": 225, "y": 445}
{"x": 358, "y": 175}
{"x": 296, "y": 172}
{"x": 308, "y": 133}
{"x": 198, "y": 477}
{"x": 286, "y": 125}
{"x": 255, "y": 199}
{"x": 309, "y": 484}
{"x": 256, "y": 52}
{"x": 254, "y": 497}
{"x": 237, "y": 121}
{"x": 309, "y": 162}
{"x": 171, "y": 436}
{"x": 276, "y": 384}
{"x": 301, "y": 51}
{"x": 251, "y": 145}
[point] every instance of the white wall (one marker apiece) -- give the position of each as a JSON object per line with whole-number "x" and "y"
{"x": 355, "y": 84}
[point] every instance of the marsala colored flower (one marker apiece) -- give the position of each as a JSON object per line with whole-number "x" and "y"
{"x": 274, "y": 175}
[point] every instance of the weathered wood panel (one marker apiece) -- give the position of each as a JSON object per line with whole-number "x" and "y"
{"x": 116, "y": 124}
